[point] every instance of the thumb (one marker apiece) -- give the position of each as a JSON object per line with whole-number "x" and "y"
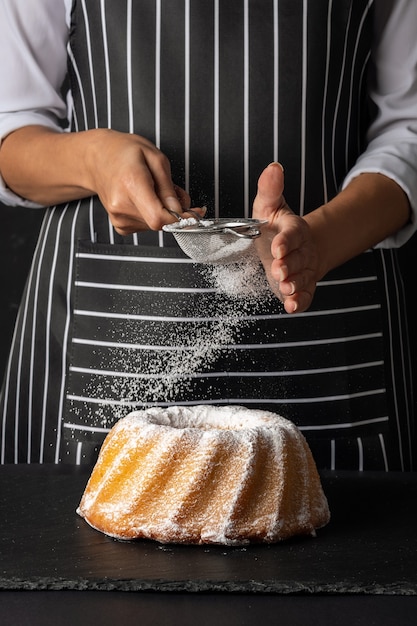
{"x": 269, "y": 197}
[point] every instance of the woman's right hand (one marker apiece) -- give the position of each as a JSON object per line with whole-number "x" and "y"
{"x": 131, "y": 176}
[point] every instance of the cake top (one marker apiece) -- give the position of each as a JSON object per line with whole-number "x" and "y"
{"x": 210, "y": 417}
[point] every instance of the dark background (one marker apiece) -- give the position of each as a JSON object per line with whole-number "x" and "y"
{"x": 17, "y": 242}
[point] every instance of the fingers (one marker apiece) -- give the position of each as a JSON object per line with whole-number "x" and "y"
{"x": 269, "y": 197}
{"x": 165, "y": 198}
{"x": 283, "y": 247}
{"x": 183, "y": 197}
{"x": 286, "y": 247}
{"x": 293, "y": 291}
{"x": 297, "y": 303}
{"x": 297, "y": 291}
{"x": 295, "y": 274}
{"x": 133, "y": 179}
{"x": 161, "y": 193}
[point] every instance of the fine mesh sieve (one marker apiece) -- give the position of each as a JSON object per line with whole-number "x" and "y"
{"x": 217, "y": 241}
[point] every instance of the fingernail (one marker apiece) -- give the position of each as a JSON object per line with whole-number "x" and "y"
{"x": 274, "y": 163}
{"x": 280, "y": 253}
{"x": 171, "y": 202}
{"x": 283, "y": 273}
{"x": 292, "y": 289}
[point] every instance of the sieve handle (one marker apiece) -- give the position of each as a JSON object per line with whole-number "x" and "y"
{"x": 245, "y": 235}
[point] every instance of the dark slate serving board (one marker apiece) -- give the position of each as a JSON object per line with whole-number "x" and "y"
{"x": 369, "y": 547}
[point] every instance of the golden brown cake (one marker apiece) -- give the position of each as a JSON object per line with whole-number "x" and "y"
{"x": 205, "y": 474}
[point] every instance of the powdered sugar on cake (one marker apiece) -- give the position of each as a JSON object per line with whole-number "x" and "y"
{"x": 205, "y": 474}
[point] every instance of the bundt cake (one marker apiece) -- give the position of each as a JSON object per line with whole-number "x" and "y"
{"x": 204, "y": 474}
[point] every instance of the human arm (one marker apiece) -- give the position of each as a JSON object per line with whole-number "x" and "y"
{"x": 129, "y": 174}
{"x": 40, "y": 163}
{"x": 392, "y": 136}
{"x": 377, "y": 205}
{"x": 298, "y": 251}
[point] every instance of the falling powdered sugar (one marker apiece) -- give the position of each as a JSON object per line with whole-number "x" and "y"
{"x": 244, "y": 280}
{"x": 160, "y": 363}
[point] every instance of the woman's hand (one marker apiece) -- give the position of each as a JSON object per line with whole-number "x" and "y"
{"x": 286, "y": 247}
{"x": 298, "y": 251}
{"x": 133, "y": 181}
{"x": 129, "y": 174}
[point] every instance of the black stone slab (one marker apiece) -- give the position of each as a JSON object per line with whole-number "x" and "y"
{"x": 369, "y": 547}
{"x": 84, "y": 608}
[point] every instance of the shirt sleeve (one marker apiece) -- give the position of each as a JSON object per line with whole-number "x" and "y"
{"x": 392, "y": 137}
{"x": 33, "y": 46}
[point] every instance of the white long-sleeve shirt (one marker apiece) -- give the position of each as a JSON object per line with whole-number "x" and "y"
{"x": 33, "y": 46}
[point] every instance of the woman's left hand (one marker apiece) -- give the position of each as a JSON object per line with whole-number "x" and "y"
{"x": 286, "y": 247}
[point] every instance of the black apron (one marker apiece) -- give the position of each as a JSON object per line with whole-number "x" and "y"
{"x": 223, "y": 88}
